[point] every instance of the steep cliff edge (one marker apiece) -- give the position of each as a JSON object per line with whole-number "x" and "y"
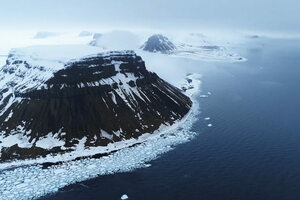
{"x": 52, "y": 105}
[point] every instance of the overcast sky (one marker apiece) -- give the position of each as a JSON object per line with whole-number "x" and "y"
{"x": 266, "y": 15}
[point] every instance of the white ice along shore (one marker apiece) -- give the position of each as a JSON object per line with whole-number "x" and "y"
{"x": 32, "y": 181}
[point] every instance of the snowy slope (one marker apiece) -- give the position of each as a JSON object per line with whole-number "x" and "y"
{"x": 29, "y": 68}
{"x": 207, "y": 52}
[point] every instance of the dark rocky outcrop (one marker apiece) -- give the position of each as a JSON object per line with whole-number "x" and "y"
{"x": 105, "y": 98}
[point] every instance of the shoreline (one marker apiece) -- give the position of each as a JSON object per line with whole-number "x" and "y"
{"x": 102, "y": 151}
{"x": 28, "y": 182}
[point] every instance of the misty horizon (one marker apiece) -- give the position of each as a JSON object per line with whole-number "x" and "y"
{"x": 268, "y": 16}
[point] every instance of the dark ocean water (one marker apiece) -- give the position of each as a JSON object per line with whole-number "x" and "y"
{"x": 252, "y": 151}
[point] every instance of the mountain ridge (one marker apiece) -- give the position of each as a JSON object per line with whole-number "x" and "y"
{"x": 91, "y": 101}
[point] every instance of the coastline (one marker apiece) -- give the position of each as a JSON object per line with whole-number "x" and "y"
{"x": 101, "y": 151}
{"x": 24, "y": 182}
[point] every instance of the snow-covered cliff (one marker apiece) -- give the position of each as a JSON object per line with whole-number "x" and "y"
{"x": 57, "y": 98}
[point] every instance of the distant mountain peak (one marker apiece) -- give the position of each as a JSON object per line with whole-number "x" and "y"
{"x": 158, "y": 43}
{"x": 96, "y": 36}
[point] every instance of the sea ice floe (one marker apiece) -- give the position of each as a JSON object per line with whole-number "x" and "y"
{"x": 203, "y": 96}
{"x": 34, "y": 181}
{"x": 124, "y": 197}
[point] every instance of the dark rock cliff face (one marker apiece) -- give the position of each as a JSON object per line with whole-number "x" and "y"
{"x": 104, "y": 99}
{"x": 158, "y": 43}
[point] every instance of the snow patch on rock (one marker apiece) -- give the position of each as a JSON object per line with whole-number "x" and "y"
{"x": 49, "y": 141}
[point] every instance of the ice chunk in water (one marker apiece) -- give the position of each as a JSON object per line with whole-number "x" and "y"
{"x": 124, "y": 196}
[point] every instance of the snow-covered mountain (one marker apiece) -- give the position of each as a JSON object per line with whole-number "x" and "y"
{"x": 96, "y": 36}
{"x": 158, "y": 43}
{"x": 61, "y": 98}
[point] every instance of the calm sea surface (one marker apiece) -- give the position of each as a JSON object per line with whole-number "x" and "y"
{"x": 252, "y": 151}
